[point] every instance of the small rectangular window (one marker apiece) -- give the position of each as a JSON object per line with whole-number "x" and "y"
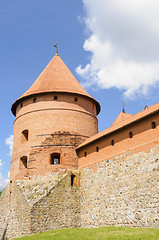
{"x": 55, "y": 158}
{"x": 72, "y": 179}
{"x": 34, "y": 100}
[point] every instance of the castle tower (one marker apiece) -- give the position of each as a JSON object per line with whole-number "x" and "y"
{"x": 52, "y": 118}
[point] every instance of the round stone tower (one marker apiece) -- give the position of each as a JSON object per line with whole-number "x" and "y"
{"x": 52, "y": 118}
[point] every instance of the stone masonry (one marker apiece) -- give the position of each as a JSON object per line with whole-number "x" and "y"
{"x": 122, "y": 191}
{"x": 64, "y": 174}
{"x": 41, "y": 205}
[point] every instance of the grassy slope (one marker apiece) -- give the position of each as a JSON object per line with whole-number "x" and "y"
{"x": 103, "y": 233}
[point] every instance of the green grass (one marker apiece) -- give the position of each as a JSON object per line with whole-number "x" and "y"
{"x": 103, "y": 233}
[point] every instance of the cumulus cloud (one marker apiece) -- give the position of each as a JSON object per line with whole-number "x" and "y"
{"x": 9, "y": 142}
{"x": 3, "y": 181}
{"x": 123, "y": 42}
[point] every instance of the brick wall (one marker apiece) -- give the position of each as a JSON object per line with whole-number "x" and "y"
{"x": 53, "y": 126}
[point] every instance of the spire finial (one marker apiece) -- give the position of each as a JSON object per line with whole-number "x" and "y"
{"x": 123, "y": 103}
{"x": 55, "y": 45}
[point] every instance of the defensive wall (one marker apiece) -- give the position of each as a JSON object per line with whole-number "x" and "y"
{"x": 64, "y": 174}
{"x": 40, "y": 205}
{"x": 120, "y": 181}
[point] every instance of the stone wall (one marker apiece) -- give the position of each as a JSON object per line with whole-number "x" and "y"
{"x": 41, "y": 205}
{"x": 14, "y": 215}
{"x": 60, "y": 209}
{"x": 122, "y": 191}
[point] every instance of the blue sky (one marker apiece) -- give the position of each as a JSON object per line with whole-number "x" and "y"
{"x": 111, "y": 48}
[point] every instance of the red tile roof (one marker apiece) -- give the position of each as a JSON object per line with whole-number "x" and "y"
{"x": 56, "y": 77}
{"x": 121, "y": 117}
{"x": 127, "y": 120}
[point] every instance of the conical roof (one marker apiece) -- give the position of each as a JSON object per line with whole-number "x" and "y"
{"x": 56, "y": 77}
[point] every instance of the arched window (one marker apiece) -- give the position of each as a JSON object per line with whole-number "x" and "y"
{"x": 112, "y": 142}
{"x": 24, "y": 135}
{"x": 23, "y": 162}
{"x": 130, "y": 134}
{"x": 153, "y": 124}
{"x": 55, "y": 159}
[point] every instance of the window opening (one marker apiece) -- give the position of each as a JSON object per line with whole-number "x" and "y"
{"x": 97, "y": 149}
{"x": 153, "y": 124}
{"x": 23, "y": 162}
{"x": 85, "y": 154}
{"x": 72, "y": 179}
{"x": 76, "y": 99}
{"x": 34, "y": 100}
{"x": 112, "y": 142}
{"x": 24, "y": 135}
{"x": 55, "y": 98}
{"x": 21, "y": 105}
{"x": 130, "y": 134}
{"x": 55, "y": 158}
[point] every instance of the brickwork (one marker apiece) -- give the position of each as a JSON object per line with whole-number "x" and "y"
{"x": 65, "y": 174}
{"x": 53, "y": 126}
{"x": 143, "y": 139}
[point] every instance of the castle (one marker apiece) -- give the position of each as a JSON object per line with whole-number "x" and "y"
{"x": 65, "y": 174}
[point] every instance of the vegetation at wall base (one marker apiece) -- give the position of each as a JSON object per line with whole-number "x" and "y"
{"x": 102, "y": 233}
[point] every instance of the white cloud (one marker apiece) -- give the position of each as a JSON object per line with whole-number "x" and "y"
{"x": 3, "y": 181}
{"x": 9, "y": 142}
{"x": 123, "y": 41}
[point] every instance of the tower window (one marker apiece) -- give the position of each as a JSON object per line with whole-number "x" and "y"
{"x": 21, "y": 105}
{"x": 24, "y": 135}
{"x": 72, "y": 179}
{"x": 55, "y": 98}
{"x": 85, "y": 154}
{"x": 112, "y": 142}
{"x": 34, "y": 100}
{"x": 23, "y": 162}
{"x": 153, "y": 124}
{"x": 76, "y": 99}
{"x": 97, "y": 149}
{"x": 55, "y": 159}
{"x": 130, "y": 134}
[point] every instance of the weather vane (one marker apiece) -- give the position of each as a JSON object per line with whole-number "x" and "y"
{"x": 55, "y": 45}
{"x": 123, "y": 103}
